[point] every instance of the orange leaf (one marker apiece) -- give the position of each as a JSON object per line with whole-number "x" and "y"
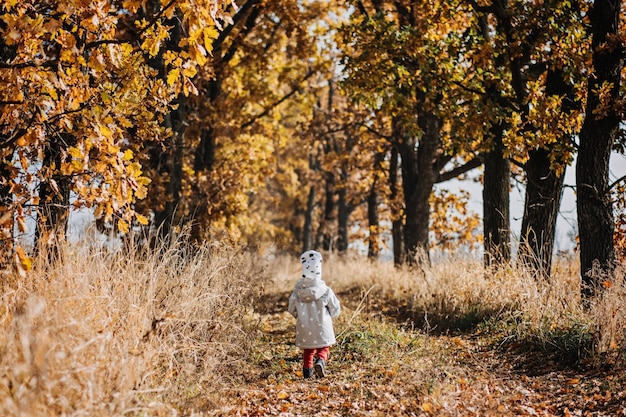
{"x": 428, "y": 407}
{"x": 23, "y": 262}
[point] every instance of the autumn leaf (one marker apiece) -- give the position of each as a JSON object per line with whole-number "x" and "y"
{"x": 173, "y": 76}
{"x": 23, "y": 262}
{"x": 123, "y": 226}
{"x": 21, "y": 224}
{"x": 428, "y": 407}
{"x": 141, "y": 219}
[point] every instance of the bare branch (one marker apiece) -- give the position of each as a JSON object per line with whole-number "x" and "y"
{"x": 616, "y": 182}
{"x": 376, "y": 132}
{"x": 468, "y": 166}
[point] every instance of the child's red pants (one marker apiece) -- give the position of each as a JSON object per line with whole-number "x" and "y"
{"x": 309, "y": 355}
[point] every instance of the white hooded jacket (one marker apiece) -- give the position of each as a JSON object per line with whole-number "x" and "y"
{"x": 314, "y": 305}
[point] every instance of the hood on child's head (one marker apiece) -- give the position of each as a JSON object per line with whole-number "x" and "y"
{"x": 311, "y": 265}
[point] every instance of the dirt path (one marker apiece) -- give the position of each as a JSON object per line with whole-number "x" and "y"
{"x": 379, "y": 368}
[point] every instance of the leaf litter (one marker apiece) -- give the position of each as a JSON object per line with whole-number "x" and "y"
{"x": 380, "y": 367}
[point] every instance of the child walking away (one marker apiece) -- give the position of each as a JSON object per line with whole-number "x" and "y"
{"x": 314, "y": 305}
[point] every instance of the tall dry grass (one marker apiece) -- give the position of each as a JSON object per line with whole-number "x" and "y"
{"x": 135, "y": 332}
{"x": 456, "y": 293}
{"x": 160, "y": 332}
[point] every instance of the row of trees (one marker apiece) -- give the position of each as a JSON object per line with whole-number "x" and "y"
{"x": 511, "y": 85}
{"x": 292, "y": 122}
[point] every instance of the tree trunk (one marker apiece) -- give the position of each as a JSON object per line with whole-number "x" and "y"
{"x": 343, "y": 217}
{"x": 496, "y": 198}
{"x": 168, "y": 161}
{"x": 373, "y": 239}
{"x": 54, "y": 202}
{"x": 597, "y": 136}
{"x": 6, "y": 213}
{"x": 543, "y": 198}
{"x": 204, "y": 163}
{"x": 544, "y": 188}
{"x": 418, "y": 179}
{"x": 307, "y": 232}
{"x": 373, "y": 222}
{"x": 170, "y": 165}
{"x": 7, "y": 210}
{"x": 397, "y": 218}
{"x": 327, "y": 229}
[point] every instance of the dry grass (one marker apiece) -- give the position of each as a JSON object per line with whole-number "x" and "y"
{"x": 130, "y": 333}
{"x": 457, "y": 294}
{"x": 449, "y": 340}
{"x": 143, "y": 332}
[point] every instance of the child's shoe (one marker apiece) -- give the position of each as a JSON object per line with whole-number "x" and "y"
{"x": 320, "y": 367}
{"x": 307, "y": 373}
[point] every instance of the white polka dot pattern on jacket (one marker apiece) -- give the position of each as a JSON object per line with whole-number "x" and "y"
{"x": 314, "y": 305}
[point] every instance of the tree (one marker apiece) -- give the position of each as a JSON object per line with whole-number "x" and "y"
{"x": 80, "y": 101}
{"x": 529, "y": 60}
{"x": 597, "y": 137}
{"x": 261, "y": 62}
{"x": 551, "y": 116}
{"x": 400, "y": 60}
{"x": 351, "y": 156}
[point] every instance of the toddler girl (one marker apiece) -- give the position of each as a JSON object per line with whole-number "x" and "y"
{"x": 314, "y": 305}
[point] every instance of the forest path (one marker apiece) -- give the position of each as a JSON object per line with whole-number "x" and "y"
{"x": 381, "y": 368}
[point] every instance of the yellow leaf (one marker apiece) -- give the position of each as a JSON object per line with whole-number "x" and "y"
{"x": 25, "y": 262}
{"x": 190, "y": 71}
{"x": 282, "y": 395}
{"x": 172, "y": 77}
{"x": 122, "y": 225}
{"x": 53, "y": 93}
{"x": 141, "y": 219}
{"x": 75, "y": 152}
{"x": 104, "y": 131}
{"x": 210, "y": 33}
{"x": 169, "y": 12}
{"x": 128, "y": 155}
{"x": 199, "y": 54}
{"x": 106, "y": 97}
{"x": 154, "y": 49}
{"x": 124, "y": 122}
{"x": 76, "y": 165}
{"x": 141, "y": 193}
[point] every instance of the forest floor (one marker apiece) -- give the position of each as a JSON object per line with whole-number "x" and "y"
{"x": 381, "y": 366}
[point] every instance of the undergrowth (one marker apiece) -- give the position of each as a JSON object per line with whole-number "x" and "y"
{"x": 141, "y": 331}
{"x": 132, "y": 332}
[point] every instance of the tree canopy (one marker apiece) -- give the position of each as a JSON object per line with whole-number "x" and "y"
{"x": 304, "y": 124}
